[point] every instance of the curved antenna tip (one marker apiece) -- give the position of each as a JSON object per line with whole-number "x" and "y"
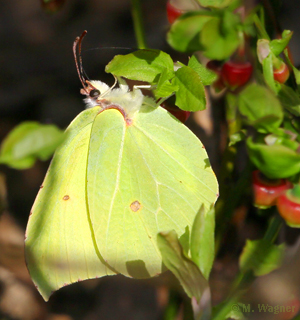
{"x": 76, "y": 43}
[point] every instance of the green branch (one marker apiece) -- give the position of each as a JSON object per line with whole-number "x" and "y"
{"x": 137, "y": 17}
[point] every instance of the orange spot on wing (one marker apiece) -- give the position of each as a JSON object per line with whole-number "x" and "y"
{"x": 135, "y": 206}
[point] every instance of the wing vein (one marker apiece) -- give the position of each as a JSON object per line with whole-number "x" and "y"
{"x": 180, "y": 164}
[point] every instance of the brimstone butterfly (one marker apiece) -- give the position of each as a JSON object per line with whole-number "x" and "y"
{"x": 126, "y": 171}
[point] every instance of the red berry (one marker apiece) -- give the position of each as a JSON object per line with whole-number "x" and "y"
{"x": 181, "y": 115}
{"x": 288, "y": 205}
{"x": 172, "y": 12}
{"x": 266, "y": 191}
{"x": 236, "y": 74}
{"x": 281, "y": 74}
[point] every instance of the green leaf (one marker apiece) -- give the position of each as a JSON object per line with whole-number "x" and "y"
{"x": 278, "y": 45}
{"x": 219, "y": 36}
{"x": 289, "y": 99}
{"x": 190, "y": 95}
{"x": 261, "y": 108}
{"x": 28, "y": 142}
{"x": 184, "y": 269}
{"x": 268, "y": 72}
{"x": 261, "y": 256}
{"x": 202, "y": 240}
{"x": 215, "y": 3}
{"x": 165, "y": 87}
{"x": 280, "y": 137}
{"x": 185, "y": 241}
{"x": 184, "y": 35}
{"x": 207, "y": 76}
{"x": 143, "y": 65}
{"x": 274, "y": 161}
{"x": 295, "y": 70}
{"x": 107, "y": 193}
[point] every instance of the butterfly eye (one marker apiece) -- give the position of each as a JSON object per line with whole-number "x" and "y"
{"x": 94, "y": 93}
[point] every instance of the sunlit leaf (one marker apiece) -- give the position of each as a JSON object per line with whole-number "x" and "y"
{"x": 143, "y": 65}
{"x": 207, "y": 76}
{"x": 184, "y": 269}
{"x": 190, "y": 95}
{"x": 261, "y": 108}
{"x": 202, "y": 240}
{"x": 28, "y": 142}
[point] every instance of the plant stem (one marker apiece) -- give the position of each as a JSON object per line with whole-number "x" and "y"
{"x": 136, "y": 12}
{"x": 228, "y": 305}
{"x": 273, "y": 228}
{"x": 244, "y": 278}
{"x": 225, "y": 208}
{"x": 261, "y": 29}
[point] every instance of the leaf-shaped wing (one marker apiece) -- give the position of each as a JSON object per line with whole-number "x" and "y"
{"x": 60, "y": 248}
{"x": 145, "y": 177}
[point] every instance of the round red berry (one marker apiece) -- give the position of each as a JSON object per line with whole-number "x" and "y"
{"x": 288, "y": 205}
{"x": 236, "y": 74}
{"x": 173, "y": 12}
{"x": 281, "y": 74}
{"x": 266, "y": 191}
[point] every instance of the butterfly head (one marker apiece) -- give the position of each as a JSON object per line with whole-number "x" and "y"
{"x": 98, "y": 93}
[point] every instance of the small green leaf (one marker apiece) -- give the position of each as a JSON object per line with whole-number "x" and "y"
{"x": 261, "y": 108}
{"x": 190, "y": 95}
{"x": 207, "y": 76}
{"x": 261, "y": 256}
{"x": 295, "y": 70}
{"x": 280, "y": 137}
{"x": 268, "y": 72}
{"x": 215, "y": 3}
{"x": 184, "y": 35}
{"x": 274, "y": 161}
{"x": 278, "y": 45}
{"x": 184, "y": 269}
{"x": 29, "y": 141}
{"x": 219, "y": 37}
{"x": 164, "y": 86}
{"x": 202, "y": 240}
{"x": 184, "y": 240}
{"x": 143, "y": 65}
{"x": 289, "y": 99}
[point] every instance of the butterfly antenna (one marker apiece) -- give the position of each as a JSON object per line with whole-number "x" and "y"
{"x": 109, "y": 90}
{"x": 79, "y": 68}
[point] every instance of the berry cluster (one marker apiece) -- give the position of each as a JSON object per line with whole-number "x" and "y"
{"x": 279, "y": 192}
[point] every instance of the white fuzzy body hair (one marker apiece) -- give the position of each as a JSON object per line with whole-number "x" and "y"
{"x": 129, "y": 101}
